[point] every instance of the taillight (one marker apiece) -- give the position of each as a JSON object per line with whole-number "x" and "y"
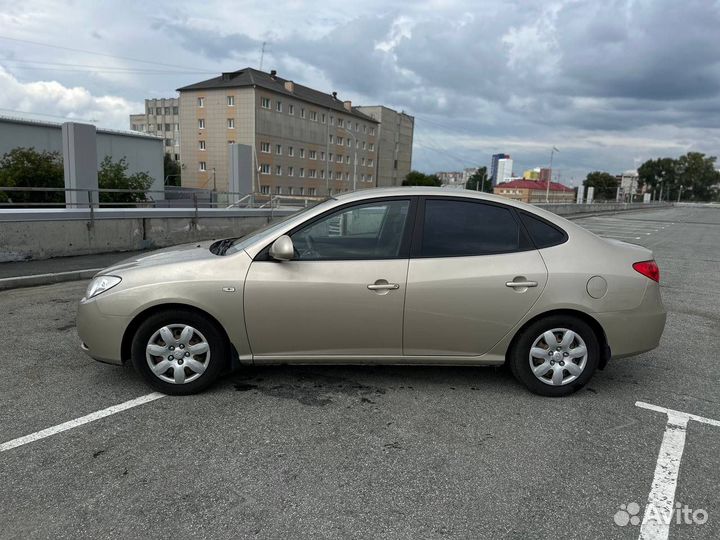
{"x": 648, "y": 269}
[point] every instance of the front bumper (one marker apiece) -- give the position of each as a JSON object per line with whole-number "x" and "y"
{"x": 100, "y": 334}
{"x": 638, "y": 330}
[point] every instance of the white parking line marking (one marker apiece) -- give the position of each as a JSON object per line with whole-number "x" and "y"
{"x": 97, "y": 415}
{"x": 661, "y": 500}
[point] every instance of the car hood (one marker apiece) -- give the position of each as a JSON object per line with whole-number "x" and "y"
{"x": 172, "y": 255}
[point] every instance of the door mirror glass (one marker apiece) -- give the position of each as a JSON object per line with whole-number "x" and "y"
{"x": 282, "y": 249}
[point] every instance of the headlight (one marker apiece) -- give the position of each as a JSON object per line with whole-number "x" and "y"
{"x": 101, "y": 284}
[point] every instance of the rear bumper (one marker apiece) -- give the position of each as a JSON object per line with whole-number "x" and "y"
{"x": 638, "y": 330}
{"x": 100, "y": 334}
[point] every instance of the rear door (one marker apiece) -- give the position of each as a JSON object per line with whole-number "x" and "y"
{"x": 473, "y": 274}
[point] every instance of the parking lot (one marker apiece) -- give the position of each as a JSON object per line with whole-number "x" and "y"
{"x": 366, "y": 452}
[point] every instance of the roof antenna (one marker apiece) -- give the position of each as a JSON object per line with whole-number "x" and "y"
{"x": 262, "y": 55}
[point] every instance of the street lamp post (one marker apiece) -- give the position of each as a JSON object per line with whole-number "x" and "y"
{"x": 547, "y": 189}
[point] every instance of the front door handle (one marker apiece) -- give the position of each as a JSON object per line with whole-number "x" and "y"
{"x": 519, "y": 284}
{"x": 383, "y": 286}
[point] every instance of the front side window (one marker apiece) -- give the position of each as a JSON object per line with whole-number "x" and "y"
{"x": 369, "y": 231}
{"x": 455, "y": 228}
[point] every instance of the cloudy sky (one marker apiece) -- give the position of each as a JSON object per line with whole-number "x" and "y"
{"x": 611, "y": 83}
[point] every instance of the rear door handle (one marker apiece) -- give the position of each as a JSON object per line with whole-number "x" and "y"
{"x": 383, "y": 286}
{"x": 519, "y": 284}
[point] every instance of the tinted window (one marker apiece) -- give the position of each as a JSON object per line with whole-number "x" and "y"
{"x": 543, "y": 234}
{"x": 368, "y": 231}
{"x": 454, "y": 228}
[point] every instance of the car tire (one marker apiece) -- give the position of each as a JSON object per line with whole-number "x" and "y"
{"x": 543, "y": 365}
{"x": 187, "y": 352}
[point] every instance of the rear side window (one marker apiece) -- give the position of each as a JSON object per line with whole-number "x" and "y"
{"x": 459, "y": 228}
{"x": 542, "y": 233}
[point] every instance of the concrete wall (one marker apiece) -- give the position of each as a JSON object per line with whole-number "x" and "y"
{"x": 570, "y": 209}
{"x": 56, "y": 234}
{"x": 144, "y": 153}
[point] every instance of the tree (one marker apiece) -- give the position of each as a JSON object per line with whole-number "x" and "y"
{"x": 26, "y": 167}
{"x": 416, "y": 178}
{"x": 697, "y": 176}
{"x": 171, "y": 171}
{"x": 655, "y": 174}
{"x": 113, "y": 175}
{"x": 605, "y": 184}
{"x": 479, "y": 181}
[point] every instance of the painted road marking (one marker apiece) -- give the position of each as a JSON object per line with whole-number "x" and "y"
{"x": 661, "y": 500}
{"x": 97, "y": 415}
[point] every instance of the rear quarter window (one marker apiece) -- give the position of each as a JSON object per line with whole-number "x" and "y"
{"x": 542, "y": 233}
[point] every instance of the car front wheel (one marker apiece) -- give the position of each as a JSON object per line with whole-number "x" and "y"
{"x": 179, "y": 352}
{"x": 555, "y": 356}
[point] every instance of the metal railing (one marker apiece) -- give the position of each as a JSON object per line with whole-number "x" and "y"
{"x": 138, "y": 198}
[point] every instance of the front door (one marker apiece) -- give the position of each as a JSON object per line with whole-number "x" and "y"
{"x": 343, "y": 293}
{"x": 472, "y": 277}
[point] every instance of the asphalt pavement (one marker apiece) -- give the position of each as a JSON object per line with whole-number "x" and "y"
{"x": 364, "y": 452}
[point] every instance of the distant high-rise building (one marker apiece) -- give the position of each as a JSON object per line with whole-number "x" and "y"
{"x": 494, "y": 166}
{"x": 503, "y": 170}
{"x": 395, "y": 142}
{"x": 545, "y": 175}
{"x": 161, "y": 118}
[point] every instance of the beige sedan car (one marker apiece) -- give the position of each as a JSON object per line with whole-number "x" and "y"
{"x": 383, "y": 276}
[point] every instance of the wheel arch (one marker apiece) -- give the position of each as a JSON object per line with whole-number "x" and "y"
{"x": 132, "y": 327}
{"x": 589, "y": 319}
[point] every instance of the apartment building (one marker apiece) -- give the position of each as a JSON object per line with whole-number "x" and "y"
{"x": 396, "y": 131}
{"x": 305, "y": 142}
{"x": 162, "y": 119}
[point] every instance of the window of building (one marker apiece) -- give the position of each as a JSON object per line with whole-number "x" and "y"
{"x": 158, "y": 111}
{"x": 341, "y": 122}
{"x": 291, "y": 151}
{"x": 332, "y": 138}
{"x": 134, "y": 127}
{"x": 301, "y": 190}
{"x": 167, "y": 111}
{"x": 231, "y": 101}
{"x": 313, "y": 116}
{"x": 458, "y": 228}
{"x": 332, "y": 120}
{"x": 348, "y": 140}
{"x": 175, "y": 110}
{"x": 347, "y": 176}
{"x": 372, "y": 131}
{"x": 372, "y": 147}
{"x": 168, "y": 142}
{"x": 177, "y": 157}
{"x": 312, "y": 173}
{"x": 291, "y": 109}
{"x": 347, "y": 159}
{"x": 339, "y": 158}
{"x": 302, "y": 152}
{"x": 265, "y": 103}
{"x": 322, "y": 173}
{"x": 149, "y": 110}
{"x": 290, "y": 190}
{"x": 278, "y": 149}
{"x": 201, "y": 123}
{"x": 265, "y": 190}
{"x": 201, "y": 102}
{"x": 278, "y": 106}
{"x": 158, "y": 128}
{"x": 278, "y": 190}
{"x": 363, "y": 145}
{"x": 362, "y": 161}
{"x": 177, "y": 127}
{"x": 265, "y": 147}
{"x": 302, "y": 172}
{"x": 302, "y": 112}
{"x": 340, "y": 141}
{"x": 201, "y": 145}
{"x": 203, "y": 166}
{"x": 312, "y": 191}
{"x": 336, "y": 237}
{"x": 231, "y": 123}
{"x": 370, "y": 178}
{"x": 330, "y": 156}
{"x": 291, "y": 172}
{"x": 364, "y": 128}
{"x": 370, "y": 162}
{"x": 322, "y": 156}
{"x": 362, "y": 177}
{"x": 265, "y": 168}
{"x": 312, "y": 154}
{"x": 278, "y": 170}
{"x": 322, "y": 118}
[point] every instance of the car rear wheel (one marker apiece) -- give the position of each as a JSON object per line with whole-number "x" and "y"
{"x": 555, "y": 356}
{"x": 179, "y": 352}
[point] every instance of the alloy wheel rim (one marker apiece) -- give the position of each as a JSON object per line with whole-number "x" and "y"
{"x": 177, "y": 353}
{"x": 558, "y": 356}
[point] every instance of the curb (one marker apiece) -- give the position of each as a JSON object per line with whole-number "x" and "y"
{"x": 46, "y": 279}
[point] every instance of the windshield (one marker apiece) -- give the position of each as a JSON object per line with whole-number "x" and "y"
{"x": 238, "y": 244}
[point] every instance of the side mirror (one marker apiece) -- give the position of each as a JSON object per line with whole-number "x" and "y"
{"x": 282, "y": 249}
